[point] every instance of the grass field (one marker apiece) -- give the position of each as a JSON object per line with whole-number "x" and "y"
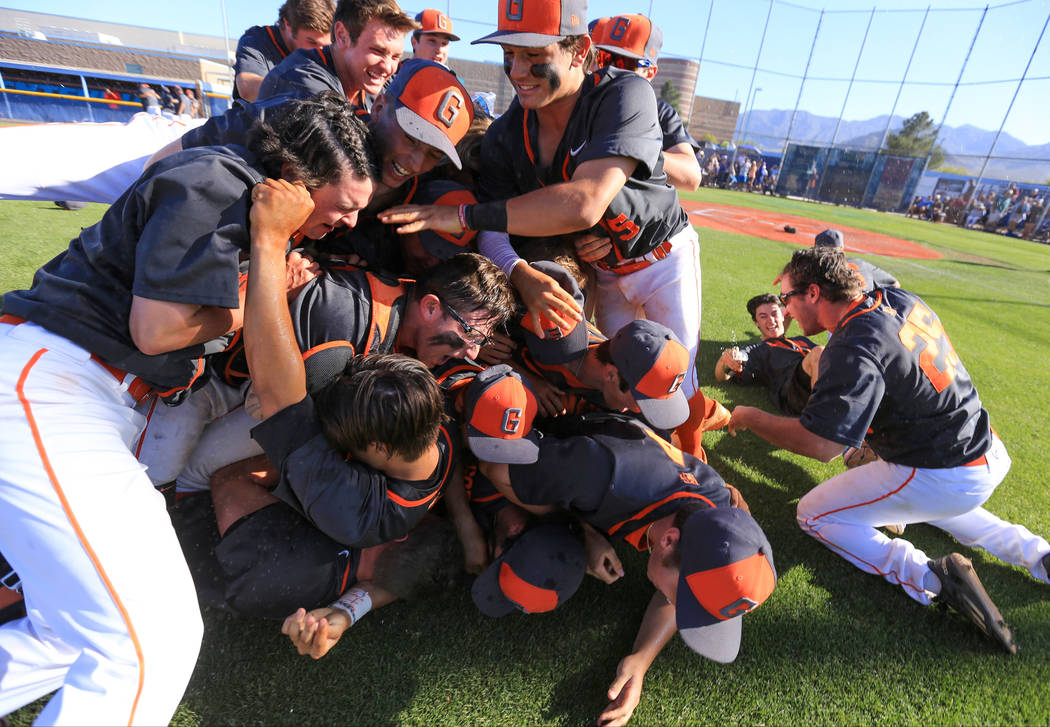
{"x": 832, "y": 645}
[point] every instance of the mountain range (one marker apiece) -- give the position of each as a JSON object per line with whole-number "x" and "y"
{"x": 964, "y": 146}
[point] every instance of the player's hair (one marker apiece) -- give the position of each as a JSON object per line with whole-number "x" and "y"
{"x": 316, "y": 141}
{"x": 674, "y": 558}
{"x": 572, "y": 43}
{"x": 428, "y": 560}
{"x": 558, "y": 249}
{"x": 602, "y": 351}
{"x": 760, "y": 300}
{"x": 389, "y": 399}
{"x": 470, "y": 283}
{"x": 827, "y": 268}
{"x": 308, "y": 14}
{"x": 355, "y": 14}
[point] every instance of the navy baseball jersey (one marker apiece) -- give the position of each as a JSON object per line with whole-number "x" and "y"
{"x": 615, "y": 116}
{"x": 777, "y": 363}
{"x": 175, "y": 235}
{"x": 345, "y": 307}
{"x": 671, "y": 125}
{"x": 889, "y": 376}
{"x": 872, "y": 276}
{"x": 348, "y": 501}
{"x": 615, "y": 473}
{"x": 258, "y": 51}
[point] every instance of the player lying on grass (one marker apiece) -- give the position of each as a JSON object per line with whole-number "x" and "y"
{"x": 788, "y": 366}
{"x": 133, "y": 305}
{"x": 889, "y": 376}
{"x": 709, "y": 561}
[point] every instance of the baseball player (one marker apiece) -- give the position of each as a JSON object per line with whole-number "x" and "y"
{"x": 633, "y": 42}
{"x": 573, "y": 152}
{"x": 130, "y": 308}
{"x": 871, "y": 276}
{"x": 890, "y": 376}
{"x": 305, "y": 24}
{"x": 431, "y": 41}
{"x": 788, "y": 366}
{"x": 709, "y": 561}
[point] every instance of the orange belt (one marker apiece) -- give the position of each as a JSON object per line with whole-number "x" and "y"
{"x": 138, "y": 388}
{"x": 634, "y": 264}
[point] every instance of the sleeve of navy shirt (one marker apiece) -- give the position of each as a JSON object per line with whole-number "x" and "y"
{"x": 671, "y": 125}
{"x": 196, "y": 225}
{"x": 344, "y": 499}
{"x": 625, "y": 124}
{"x": 573, "y": 473}
{"x": 847, "y": 395}
{"x": 227, "y": 128}
{"x": 250, "y": 57}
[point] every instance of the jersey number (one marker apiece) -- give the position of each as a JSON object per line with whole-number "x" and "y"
{"x": 923, "y": 325}
{"x": 622, "y": 227}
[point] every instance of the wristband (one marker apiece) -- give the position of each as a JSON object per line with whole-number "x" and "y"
{"x": 486, "y": 216}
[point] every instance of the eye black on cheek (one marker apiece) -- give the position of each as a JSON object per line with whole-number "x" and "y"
{"x": 507, "y": 63}
{"x": 545, "y": 71}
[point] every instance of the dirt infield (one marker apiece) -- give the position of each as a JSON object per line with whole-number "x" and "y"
{"x": 770, "y": 225}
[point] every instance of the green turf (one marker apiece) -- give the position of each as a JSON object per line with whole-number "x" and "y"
{"x": 832, "y": 645}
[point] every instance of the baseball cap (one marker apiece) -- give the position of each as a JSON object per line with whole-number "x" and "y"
{"x": 435, "y": 21}
{"x": 828, "y": 238}
{"x": 538, "y": 573}
{"x": 633, "y": 36}
{"x": 499, "y": 409}
{"x": 431, "y": 105}
{"x": 444, "y": 245}
{"x": 537, "y": 23}
{"x": 726, "y": 571}
{"x": 654, "y": 364}
{"x": 555, "y": 344}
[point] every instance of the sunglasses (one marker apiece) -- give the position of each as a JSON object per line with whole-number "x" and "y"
{"x": 784, "y": 297}
{"x": 605, "y": 58}
{"x": 472, "y": 336}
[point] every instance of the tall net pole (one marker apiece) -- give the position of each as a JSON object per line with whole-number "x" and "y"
{"x": 904, "y": 78}
{"x": 801, "y": 86}
{"x": 754, "y": 72}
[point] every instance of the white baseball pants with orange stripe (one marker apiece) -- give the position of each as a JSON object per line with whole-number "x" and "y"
{"x": 844, "y": 512}
{"x": 668, "y": 292}
{"x": 113, "y": 622}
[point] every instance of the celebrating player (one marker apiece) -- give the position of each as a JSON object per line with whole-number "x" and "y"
{"x": 871, "y": 276}
{"x": 133, "y": 305}
{"x": 432, "y": 39}
{"x": 305, "y": 24}
{"x": 890, "y": 376}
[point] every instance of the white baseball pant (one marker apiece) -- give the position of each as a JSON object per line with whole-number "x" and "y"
{"x": 112, "y": 618}
{"x": 82, "y": 162}
{"x": 844, "y": 512}
{"x": 668, "y": 292}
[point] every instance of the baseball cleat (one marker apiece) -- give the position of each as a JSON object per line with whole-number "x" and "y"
{"x": 962, "y": 590}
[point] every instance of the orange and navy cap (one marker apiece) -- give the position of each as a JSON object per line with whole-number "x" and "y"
{"x": 633, "y": 36}
{"x": 538, "y": 573}
{"x": 431, "y": 105}
{"x": 654, "y": 364}
{"x": 726, "y": 571}
{"x": 444, "y": 245}
{"x": 596, "y": 27}
{"x": 435, "y": 21}
{"x": 537, "y": 23}
{"x": 499, "y": 408}
{"x": 555, "y": 344}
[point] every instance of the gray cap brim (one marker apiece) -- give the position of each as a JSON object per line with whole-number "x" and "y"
{"x": 422, "y": 130}
{"x": 664, "y": 413}
{"x": 617, "y": 50}
{"x": 504, "y": 451}
{"x": 526, "y": 40}
{"x": 718, "y": 642}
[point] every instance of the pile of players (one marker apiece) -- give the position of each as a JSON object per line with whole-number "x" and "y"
{"x": 237, "y": 329}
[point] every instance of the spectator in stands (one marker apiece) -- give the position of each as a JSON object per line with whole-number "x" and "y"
{"x": 149, "y": 99}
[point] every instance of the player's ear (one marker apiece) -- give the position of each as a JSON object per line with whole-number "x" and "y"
{"x": 669, "y": 539}
{"x": 340, "y": 35}
{"x": 583, "y": 49}
{"x": 430, "y": 307}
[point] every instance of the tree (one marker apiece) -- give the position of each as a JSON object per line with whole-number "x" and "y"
{"x": 709, "y": 138}
{"x": 670, "y": 94}
{"x": 915, "y": 138}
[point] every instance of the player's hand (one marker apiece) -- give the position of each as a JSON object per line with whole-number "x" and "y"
{"x": 279, "y": 209}
{"x": 549, "y": 398}
{"x": 602, "y": 561}
{"x": 498, "y": 351}
{"x": 740, "y": 420}
{"x": 591, "y": 247}
{"x": 299, "y": 270}
{"x": 543, "y": 296}
{"x": 625, "y": 692}
{"x": 737, "y": 500}
{"x": 316, "y": 632}
{"x": 416, "y": 217}
{"x": 730, "y": 361}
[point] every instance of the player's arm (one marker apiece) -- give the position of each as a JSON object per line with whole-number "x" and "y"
{"x": 475, "y": 552}
{"x": 172, "y": 147}
{"x": 248, "y": 85}
{"x": 274, "y": 360}
{"x": 160, "y": 326}
{"x": 314, "y": 633}
{"x": 499, "y": 476}
{"x": 727, "y": 365}
{"x": 681, "y": 167}
{"x": 784, "y": 432}
{"x": 657, "y": 628}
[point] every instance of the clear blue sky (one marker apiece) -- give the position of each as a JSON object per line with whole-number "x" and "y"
{"x": 1008, "y": 36}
